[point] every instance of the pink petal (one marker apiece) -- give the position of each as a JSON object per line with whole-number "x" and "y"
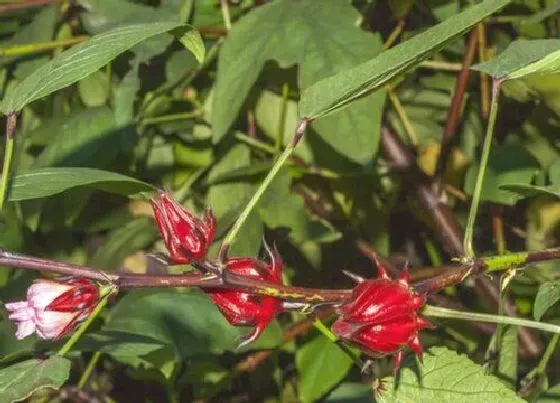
{"x": 24, "y": 329}
{"x": 43, "y": 292}
{"x": 20, "y": 311}
{"x": 51, "y": 324}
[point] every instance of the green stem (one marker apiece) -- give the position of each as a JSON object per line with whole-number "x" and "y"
{"x": 106, "y": 292}
{"x": 8, "y": 156}
{"x": 320, "y": 326}
{"x": 257, "y": 144}
{"x": 439, "y": 312}
{"x": 91, "y": 365}
{"x": 468, "y": 239}
{"x": 552, "y": 344}
{"x": 31, "y": 48}
{"x": 232, "y": 234}
{"x": 170, "y": 118}
{"x": 282, "y": 120}
{"x": 225, "y": 14}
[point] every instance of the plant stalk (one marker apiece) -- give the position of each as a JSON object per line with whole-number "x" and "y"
{"x": 438, "y": 312}
{"x": 468, "y": 239}
{"x": 11, "y": 122}
{"x": 234, "y": 231}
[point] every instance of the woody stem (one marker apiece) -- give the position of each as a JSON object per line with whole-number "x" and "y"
{"x": 453, "y": 275}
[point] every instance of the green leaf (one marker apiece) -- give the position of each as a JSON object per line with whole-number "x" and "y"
{"x": 522, "y": 58}
{"x": 125, "y": 96}
{"x": 525, "y": 190}
{"x": 321, "y": 364}
{"x": 322, "y": 41}
{"x": 19, "y": 381}
{"x": 191, "y": 39}
{"x": 189, "y": 322}
{"x": 349, "y": 392}
{"x": 552, "y": 395}
{"x": 94, "y": 89}
{"x": 548, "y": 295}
{"x": 341, "y": 89}
{"x": 43, "y": 182}
{"x": 80, "y": 61}
{"x": 122, "y": 242}
{"x": 508, "y": 359}
{"x": 506, "y": 165}
{"x": 445, "y": 376}
{"x": 86, "y": 138}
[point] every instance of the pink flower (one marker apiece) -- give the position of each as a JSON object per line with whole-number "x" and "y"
{"x": 186, "y": 236}
{"x": 53, "y": 307}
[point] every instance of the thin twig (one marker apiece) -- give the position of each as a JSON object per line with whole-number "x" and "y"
{"x": 454, "y": 115}
{"x": 5, "y": 8}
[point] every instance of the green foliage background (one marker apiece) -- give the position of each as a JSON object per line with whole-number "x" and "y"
{"x": 148, "y": 103}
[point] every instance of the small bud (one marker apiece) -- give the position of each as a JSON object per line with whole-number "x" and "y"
{"x": 382, "y": 317}
{"x": 53, "y": 307}
{"x": 244, "y": 309}
{"x": 186, "y": 236}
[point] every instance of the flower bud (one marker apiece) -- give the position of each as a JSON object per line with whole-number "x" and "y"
{"x": 244, "y": 309}
{"x": 53, "y": 308}
{"x": 186, "y": 236}
{"x": 382, "y": 317}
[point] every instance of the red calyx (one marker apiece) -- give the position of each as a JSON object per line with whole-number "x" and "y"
{"x": 244, "y": 309}
{"x": 83, "y": 296}
{"x": 382, "y": 317}
{"x": 186, "y": 236}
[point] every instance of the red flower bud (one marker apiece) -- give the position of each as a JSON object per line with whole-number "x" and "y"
{"x": 244, "y": 309}
{"x": 382, "y": 317}
{"x": 186, "y": 236}
{"x": 53, "y": 308}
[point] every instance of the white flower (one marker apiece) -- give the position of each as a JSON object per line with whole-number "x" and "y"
{"x": 53, "y": 308}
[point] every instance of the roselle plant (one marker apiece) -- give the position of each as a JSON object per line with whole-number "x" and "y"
{"x": 285, "y": 200}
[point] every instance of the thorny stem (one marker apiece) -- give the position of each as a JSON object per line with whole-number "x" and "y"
{"x": 468, "y": 239}
{"x": 232, "y": 234}
{"x": 8, "y": 156}
{"x": 438, "y": 312}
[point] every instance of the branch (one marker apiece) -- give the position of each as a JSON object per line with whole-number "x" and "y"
{"x": 5, "y": 8}
{"x": 447, "y": 228}
{"x": 454, "y": 116}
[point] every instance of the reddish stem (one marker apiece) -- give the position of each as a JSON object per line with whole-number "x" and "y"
{"x": 4, "y": 8}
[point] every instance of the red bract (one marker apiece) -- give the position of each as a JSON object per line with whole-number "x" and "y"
{"x": 244, "y": 309}
{"x": 53, "y": 308}
{"x": 186, "y": 236}
{"x": 382, "y": 317}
